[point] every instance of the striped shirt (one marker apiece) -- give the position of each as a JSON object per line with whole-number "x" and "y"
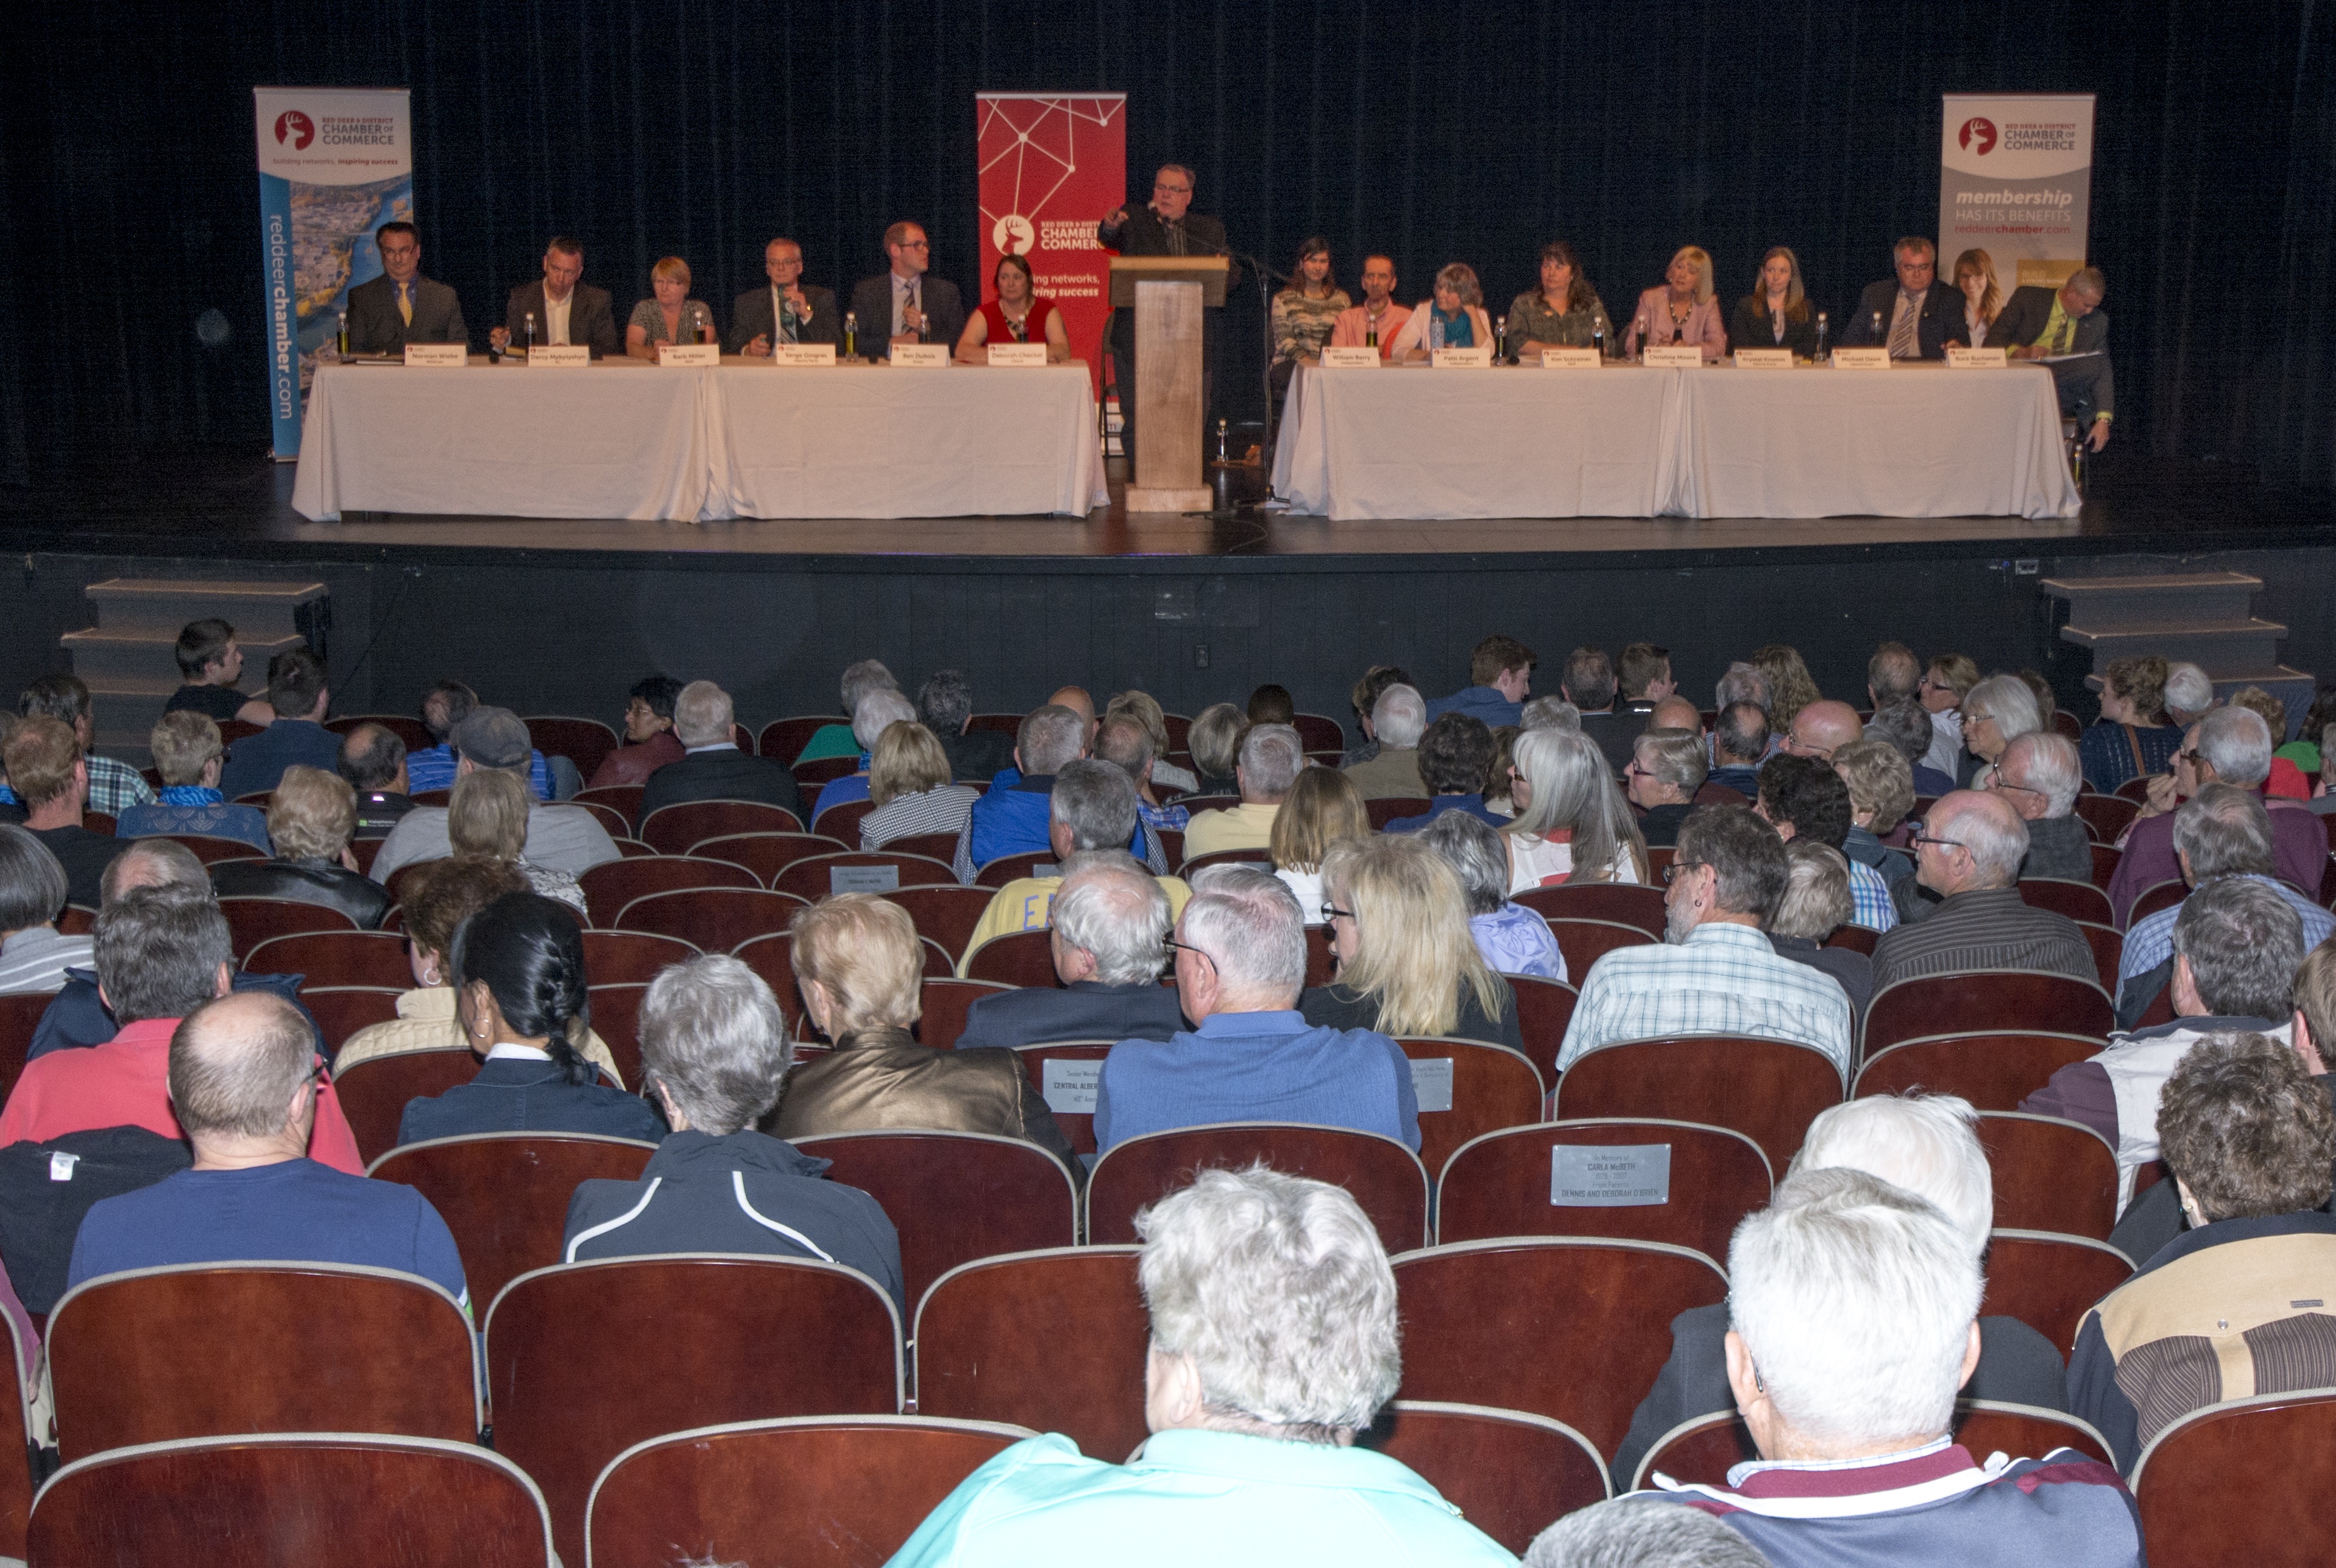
{"x": 941, "y": 809}
{"x": 1983, "y": 928}
{"x": 1724, "y": 978}
{"x": 36, "y": 958}
{"x": 2150, "y": 942}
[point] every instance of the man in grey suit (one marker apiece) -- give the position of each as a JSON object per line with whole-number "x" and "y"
{"x": 2040, "y": 323}
{"x": 906, "y": 304}
{"x": 401, "y": 305}
{"x": 784, "y": 310}
{"x": 565, "y": 310}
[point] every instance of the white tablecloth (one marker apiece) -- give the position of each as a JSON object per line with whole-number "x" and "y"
{"x": 1914, "y": 441}
{"x": 625, "y": 439}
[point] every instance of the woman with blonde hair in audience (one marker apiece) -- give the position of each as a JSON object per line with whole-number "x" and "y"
{"x": 909, "y": 787}
{"x": 1322, "y": 807}
{"x": 672, "y": 317}
{"x": 1683, "y": 308}
{"x": 487, "y": 815}
{"x": 1998, "y": 711}
{"x": 1974, "y": 279}
{"x": 1790, "y": 686}
{"x": 1456, "y": 312}
{"x": 1216, "y": 739}
{"x": 311, "y": 817}
{"x": 2132, "y": 739}
{"x": 1573, "y": 823}
{"x": 1408, "y": 963}
{"x": 1880, "y": 793}
{"x": 1141, "y": 707}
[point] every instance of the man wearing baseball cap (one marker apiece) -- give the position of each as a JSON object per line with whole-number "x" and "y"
{"x": 563, "y": 837}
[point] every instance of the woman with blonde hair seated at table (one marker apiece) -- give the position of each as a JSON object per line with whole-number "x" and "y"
{"x": 1017, "y": 312}
{"x": 672, "y": 317}
{"x": 1322, "y": 808}
{"x": 1982, "y": 300}
{"x": 1453, "y": 318}
{"x": 1683, "y": 308}
{"x": 311, "y": 817}
{"x": 1573, "y": 823}
{"x": 1777, "y": 314}
{"x": 487, "y": 815}
{"x": 1142, "y": 708}
{"x": 909, "y": 789}
{"x": 1409, "y": 965}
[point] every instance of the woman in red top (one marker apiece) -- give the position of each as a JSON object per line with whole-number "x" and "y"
{"x": 1015, "y": 316}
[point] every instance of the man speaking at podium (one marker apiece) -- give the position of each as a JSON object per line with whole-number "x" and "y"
{"x": 1165, "y": 227}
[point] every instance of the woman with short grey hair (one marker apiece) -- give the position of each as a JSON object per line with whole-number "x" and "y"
{"x": 1996, "y": 712}
{"x": 1815, "y": 903}
{"x": 1514, "y": 939}
{"x": 714, "y": 1045}
{"x": 33, "y": 956}
{"x": 1453, "y": 318}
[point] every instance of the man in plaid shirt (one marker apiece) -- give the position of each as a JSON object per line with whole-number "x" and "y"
{"x": 114, "y": 786}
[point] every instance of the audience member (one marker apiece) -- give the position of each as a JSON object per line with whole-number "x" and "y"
{"x": 33, "y": 956}
{"x": 1322, "y": 808}
{"x": 243, "y": 1079}
{"x": 188, "y": 754}
{"x": 487, "y": 819}
{"x": 373, "y": 759}
{"x": 859, "y": 965}
{"x": 1715, "y": 973}
{"x": 2189, "y": 695}
{"x": 2236, "y": 949}
{"x": 2235, "y": 1307}
{"x": 1274, "y": 1342}
{"x": 712, "y": 767}
{"x": 1270, "y": 757}
{"x": 1500, "y": 773}
{"x": 1893, "y": 674}
{"x": 2231, "y": 746}
{"x": 1500, "y": 678}
{"x": 1906, "y": 726}
{"x": 1815, "y": 905}
{"x": 1739, "y": 742}
{"x": 1822, "y": 728}
{"x": 1572, "y": 824}
{"x": 945, "y": 701}
{"x": 114, "y": 786}
{"x": 2286, "y": 781}
{"x": 1996, "y": 712}
{"x": 1852, "y": 1310}
{"x": 1803, "y": 798}
{"x": 1455, "y": 750}
{"x": 444, "y": 706}
{"x": 1252, "y": 1057}
{"x": 49, "y": 774}
{"x": 1090, "y": 807}
{"x": 563, "y": 838}
{"x": 1398, "y": 718}
{"x": 1926, "y": 1144}
{"x": 1790, "y": 687}
{"x": 1271, "y": 704}
{"x": 1407, "y": 964}
{"x": 1623, "y": 1533}
{"x": 1076, "y": 699}
{"x": 877, "y": 712}
{"x": 1012, "y": 818}
{"x": 2040, "y": 776}
{"x": 296, "y": 690}
{"x": 1589, "y": 684}
{"x": 1968, "y": 851}
{"x": 1881, "y": 793}
{"x": 1122, "y": 741}
{"x": 909, "y": 789}
{"x": 310, "y": 820}
{"x": 1667, "y": 768}
{"x": 860, "y": 678}
{"x": 1110, "y": 924}
{"x": 649, "y": 741}
{"x": 1142, "y": 710}
{"x": 1644, "y": 673}
{"x": 210, "y": 663}
{"x": 1511, "y": 938}
{"x": 1365, "y": 699}
{"x": 1742, "y": 682}
{"x": 713, "y": 1050}
{"x": 1944, "y": 684}
{"x": 1215, "y": 741}
{"x": 2132, "y": 739}
{"x": 1556, "y": 713}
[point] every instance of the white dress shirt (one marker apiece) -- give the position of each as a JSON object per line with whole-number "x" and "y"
{"x": 555, "y": 317}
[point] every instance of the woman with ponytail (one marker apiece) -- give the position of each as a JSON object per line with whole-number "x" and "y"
{"x": 519, "y": 995}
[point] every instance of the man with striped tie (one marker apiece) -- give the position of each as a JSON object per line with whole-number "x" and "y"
{"x": 1913, "y": 313}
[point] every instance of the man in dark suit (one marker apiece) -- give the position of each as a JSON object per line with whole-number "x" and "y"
{"x": 905, "y": 304}
{"x": 784, "y": 310}
{"x": 1915, "y": 311}
{"x": 712, "y": 767}
{"x": 564, "y": 309}
{"x": 298, "y": 692}
{"x": 401, "y": 305}
{"x": 2039, "y": 323}
{"x": 1166, "y": 226}
{"x": 1109, "y": 918}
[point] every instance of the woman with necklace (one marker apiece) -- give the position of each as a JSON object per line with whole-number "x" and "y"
{"x": 1681, "y": 309}
{"x": 1017, "y": 315}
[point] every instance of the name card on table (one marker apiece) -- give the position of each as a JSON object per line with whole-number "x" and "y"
{"x": 863, "y": 879}
{"x": 1628, "y": 1176}
{"x": 560, "y": 356}
{"x": 1569, "y": 358}
{"x": 1861, "y": 359}
{"x": 1018, "y": 355}
{"x": 1350, "y": 359}
{"x": 805, "y": 355}
{"x": 923, "y": 356}
{"x": 1764, "y": 359}
{"x": 1674, "y": 356}
{"x": 438, "y": 355}
{"x": 1978, "y": 359}
{"x": 1431, "y": 1083}
{"x": 689, "y": 355}
{"x": 1463, "y": 359}
{"x": 1071, "y": 1085}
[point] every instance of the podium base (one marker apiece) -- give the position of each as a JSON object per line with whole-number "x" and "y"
{"x": 1145, "y": 498}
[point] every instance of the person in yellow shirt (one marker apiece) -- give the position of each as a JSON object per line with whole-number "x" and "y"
{"x": 1271, "y": 756}
{"x": 1091, "y": 807}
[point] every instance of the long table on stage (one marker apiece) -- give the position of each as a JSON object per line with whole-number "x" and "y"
{"x": 1624, "y": 441}
{"x": 628, "y": 439}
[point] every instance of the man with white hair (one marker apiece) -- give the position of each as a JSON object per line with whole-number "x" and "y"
{"x": 1011, "y": 818}
{"x": 860, "y": 678}
{"x": 564, "y": 838}
{"x": 1852, "y": 1308}
{"x": 877, "y": 712}
{"x": 1667, "y": 768}
{"x": 1929, "y": 1146}
{"x": 1252, "y": 1057}
{"x": 1271, "y": 756}
{"x": 1968, "y": 851}
{"x": 2041, "y": 775}
{"x": 1092, "y": 807}
{"x": 1397, "y": 719}
{"x": 2189, "y": 694}
{"x": 1274, "y": 1342}
{"x": 1110, "y": 920}
{"x": 712, "y": 767}
{"x": 2233, "y": 746}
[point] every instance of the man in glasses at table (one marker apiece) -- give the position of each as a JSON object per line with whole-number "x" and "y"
{"x": 905, "y": 304}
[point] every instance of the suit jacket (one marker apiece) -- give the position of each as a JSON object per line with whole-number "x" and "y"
{"x": 1751, "y": 326}
{"x": 1089, "y": 1010}
{"x": 721, "y": 775}
{"x": 592, "y": 318}
{"x": 375, "y": 327}
{"x": 872, "y": 302}
{"x": 751, "y": 315}
{"x": 1144, "y": 235}
{"x": 1941, "y": 317}
{"x": 2021, "y": 323}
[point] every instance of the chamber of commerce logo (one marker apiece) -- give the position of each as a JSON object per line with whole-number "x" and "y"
{"x": 1014, "y": 234}
{"x": 295, "y": 127}
{"x": 1981, "y": 131}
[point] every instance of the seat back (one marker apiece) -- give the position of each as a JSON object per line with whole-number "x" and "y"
{"x": 608, "y": 888}
{"x": 505, "y": 1194}
{"x": 774, "y": 959}
{"x": 613, "y": 958}
{"x": 1619, "y": 902}
{"x": 1005, "y": 869}
{"x": 1595, "y": 1314}
{"x": 2108, "y": 952}
{"x": 841, "y": 820}
{"x": 1053, "y": 1341}
{"x": 585, "y": 742}
{"x": 813, "y": 877}
{"x": 613, "y": 822}
{"x": 2105, "y": 864}
{"x": 811, "y": 775}
{"x": 2206, "y": 1498}
{"x": 2077, "y": 901}
{"x": 15, "y": 1480}
{"x": 810, "y": 1491}
{"x": 1768, "y": 1090}
{"x": 956, "y": 1196}
{"x": 2050, "y": 1281}
{"x": 1320, "y": 731}
{"x": 784, "y": 738}
{"x": 1320, "y": 965}
{"x": 1545, "y": 1008}
{"x": 767, "y": 854}
{"x": 212, "y": 851}
{"x": 1386, "y": 1178}
{"x": 363, "y": 1502}
{"x": 616, "y": 1020}
{"x": 1387, "y": 809}
{"x": 335, "y": 957}
{"x": 625, "y": 800}
{"x": 1256, "y": 857}
{"x": 1466, "y": 1088}
{"x": 1994, "y": 1072}
{"x": 341, "y": 1011}
{"x": 1691, "y": 1183}
{"x": 20, "y": 1016}
{"x": 374, "y": 1093}
{"x": 1701, "y": 1451}
{"x": 1585, "y": 942}
{"x": 946, "y": 914}
{"x": 712, "y": 919}
{"x": 673, "y": 829}
{"x": 737, "y": 1338}
{"x": 203, "y": 1350}
{"x": 1984, "y": 1002}
{"x": 941, "y": 847}
{"x": 411, "y": 731}
{"x": 1511, "y": 1474}
{"x": 1065, "y": 1072}
{"x": 2157, "y": 896}
{"x": 1016, "y": 959}
{"x": 2050, "y": 1174}
{"x": 1857, "y": 938}
{"x": 2106, "y": 816}
{"x": 946, "y": 1003}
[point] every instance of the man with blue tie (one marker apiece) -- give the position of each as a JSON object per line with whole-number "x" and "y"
{"x": 401, "y": 305}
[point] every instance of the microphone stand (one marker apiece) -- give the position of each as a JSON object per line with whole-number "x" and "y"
{"x": 1225, "y": 511}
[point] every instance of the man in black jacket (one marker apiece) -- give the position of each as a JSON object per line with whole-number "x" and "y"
{"x": 712, "y": 767}
{"x": 1110, "y": 918}
{"x": 2067, "y": 326}
{"x": 584, "y": 314}
{"x": 1166, "y": 226}
{"x": 1913, "y": 315}
{"x": 784, "y": 310}
{"x": 401, "y": 305}
{"x": 905, "y": 304}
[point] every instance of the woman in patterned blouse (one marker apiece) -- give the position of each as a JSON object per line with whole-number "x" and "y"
{"x": 1303, "y": 315}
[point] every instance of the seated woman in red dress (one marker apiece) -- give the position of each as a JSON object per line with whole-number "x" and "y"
{"x": 1017, "y": 315}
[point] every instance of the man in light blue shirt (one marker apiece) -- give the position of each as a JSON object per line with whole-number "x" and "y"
{"x": 1273, "y": 1343}
{"x": 1240, "y": 963}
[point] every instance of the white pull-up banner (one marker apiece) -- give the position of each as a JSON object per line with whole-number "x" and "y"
{"x": 2016, "y": 181}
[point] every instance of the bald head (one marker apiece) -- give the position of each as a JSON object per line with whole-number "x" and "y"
{"x": 1076, "y": 699}
{"x": 242, "y": 1070}
{"x": 1823, "y": 728}
{"x": 1675, "y": 713}
{"x": 151, "y": 863}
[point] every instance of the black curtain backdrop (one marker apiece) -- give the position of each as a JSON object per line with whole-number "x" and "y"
{"x": 1436, "y": 132}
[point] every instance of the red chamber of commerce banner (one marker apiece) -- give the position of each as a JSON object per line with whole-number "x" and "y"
{"x": 1052, "y": 165}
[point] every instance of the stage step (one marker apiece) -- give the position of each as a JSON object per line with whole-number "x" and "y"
{"x": 2201, "y": 618}
{"x": 2174, "y": 599}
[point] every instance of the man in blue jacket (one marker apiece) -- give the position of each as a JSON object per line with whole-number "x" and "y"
{"x": 1500, "y": 678}
{"x": 1011, "y": 819}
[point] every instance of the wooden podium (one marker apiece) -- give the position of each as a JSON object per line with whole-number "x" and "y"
{"x": 1168, "y": 293}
